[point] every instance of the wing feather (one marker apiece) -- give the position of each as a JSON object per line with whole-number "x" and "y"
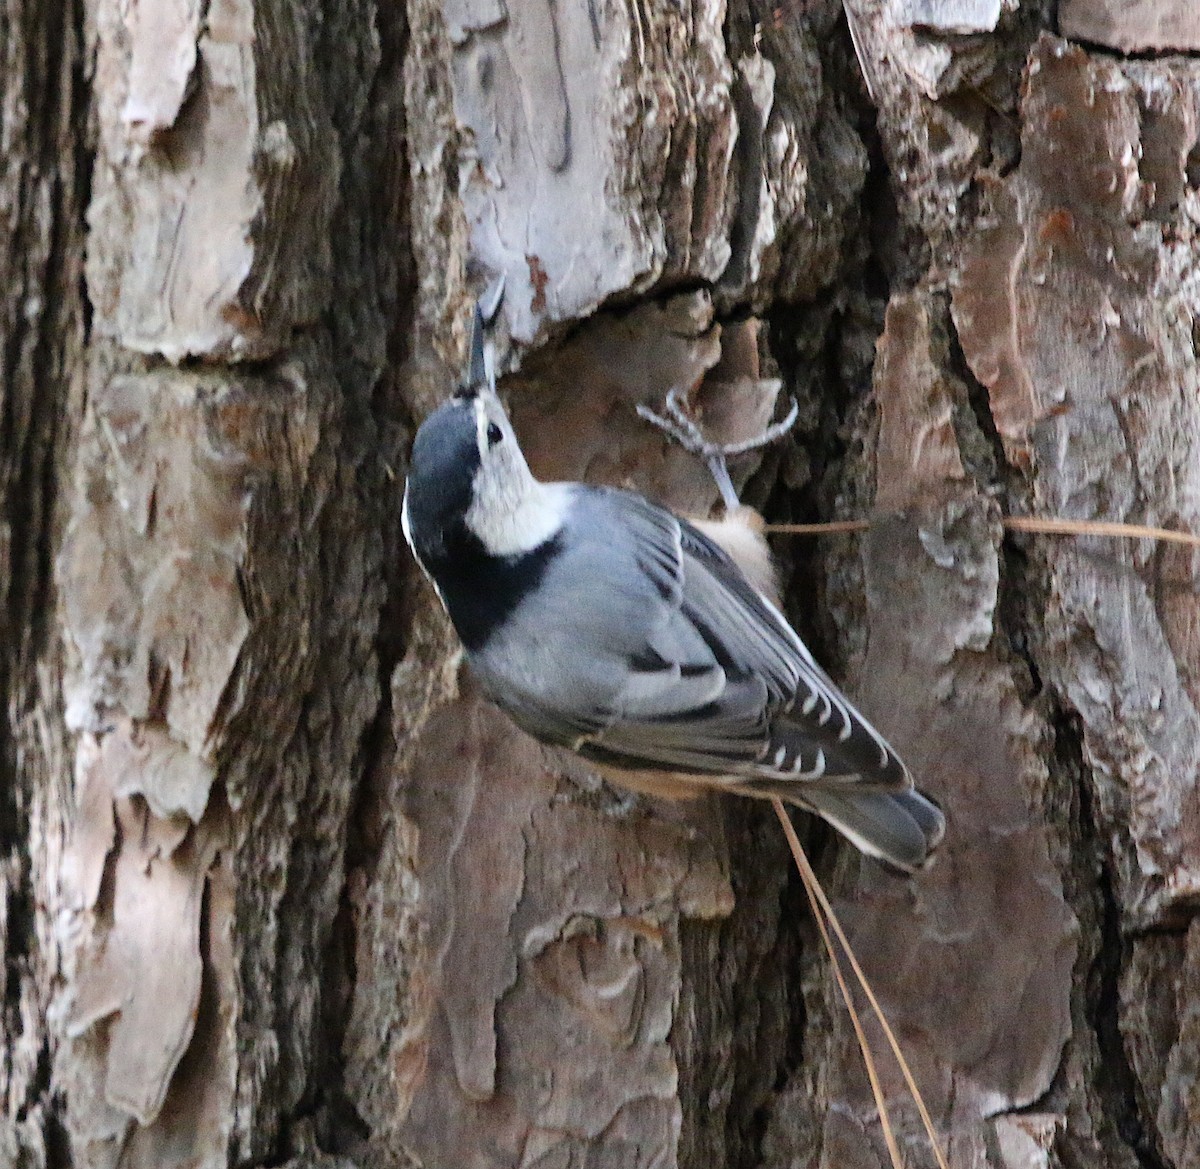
{"x": 720, "y": 683}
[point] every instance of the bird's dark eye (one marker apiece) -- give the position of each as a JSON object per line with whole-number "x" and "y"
{"x": 494, "y": 433}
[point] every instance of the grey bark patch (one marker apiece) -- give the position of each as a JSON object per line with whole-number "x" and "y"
{"x": 1133, "y": 26}
{"x": 217, "y": 208}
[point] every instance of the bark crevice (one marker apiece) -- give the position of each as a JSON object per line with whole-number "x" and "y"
{"x": 1116, "y": 1081}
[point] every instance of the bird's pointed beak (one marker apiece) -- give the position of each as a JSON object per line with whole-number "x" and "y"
{"x": 480, "y": 373}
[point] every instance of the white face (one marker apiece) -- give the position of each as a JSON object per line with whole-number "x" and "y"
{"x": 499, "y": 452}
{"x": 511, "y": 511}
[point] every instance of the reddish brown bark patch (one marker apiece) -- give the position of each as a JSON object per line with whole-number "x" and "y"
{"x": 1072, "y": 308}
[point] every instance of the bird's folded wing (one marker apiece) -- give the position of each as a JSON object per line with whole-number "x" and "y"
{"x": 720, "y": 684}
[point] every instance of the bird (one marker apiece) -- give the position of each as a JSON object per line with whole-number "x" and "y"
{"x": 604, "y": 623}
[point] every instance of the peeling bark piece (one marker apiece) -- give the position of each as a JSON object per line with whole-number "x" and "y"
{"x": 162, "y": 50}
{"x": 150, "y": 564}
{"x": 1090, "y": 371}
{"x": 195, "y": 1123}
{"x": 923, "y": 49}
{"x": 1066, "y": 211}
{"x": 986, "y": 291}
{"x": 917, "y": 461}
{"x": 960, "y": 17}
{"x": 1081, "y": 125}
{"x": 94, "y": 831}
{"x": 147, "y": 972}
{"x": 1027, "y": 1141}
{"x": 610, "y": 108}
{"x": 1133, "y": 26}
{"x": 145, "y": 761}
{"x": 212, "y": 239}
{"x": 191, "y": 664}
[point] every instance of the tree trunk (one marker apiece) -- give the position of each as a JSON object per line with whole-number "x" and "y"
{"x": 280, "y": 887}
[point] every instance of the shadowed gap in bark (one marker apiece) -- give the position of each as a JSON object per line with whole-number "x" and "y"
{"x": 1115, "y": 1078}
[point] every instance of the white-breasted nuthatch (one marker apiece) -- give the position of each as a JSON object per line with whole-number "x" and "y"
{"x": 603, "y": 623}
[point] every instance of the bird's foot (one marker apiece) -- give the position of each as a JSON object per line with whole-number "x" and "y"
{"x": 682, "y": 427}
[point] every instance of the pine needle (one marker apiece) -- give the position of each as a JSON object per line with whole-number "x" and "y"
{"x": 829, "y": 528}
{"x": 889, "y": 1135}
{"x": 1052, "y": 527}
{"x": 1015, "y": 523}
{"x": 825, "y": 917}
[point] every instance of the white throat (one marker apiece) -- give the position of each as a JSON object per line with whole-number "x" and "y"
{"x": 511, "y": 519}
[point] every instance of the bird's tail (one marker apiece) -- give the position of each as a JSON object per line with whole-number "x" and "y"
{"x": 901, "y": 828}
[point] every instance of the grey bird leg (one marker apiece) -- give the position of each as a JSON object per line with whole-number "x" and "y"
{"x": 683, "y": 429}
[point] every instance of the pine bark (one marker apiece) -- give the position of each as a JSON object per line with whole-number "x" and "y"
{"x": 279, "y": 885}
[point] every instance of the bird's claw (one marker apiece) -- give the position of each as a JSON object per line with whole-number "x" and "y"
{"x": 678, "y": 424}
{"x": 682, "y": 427}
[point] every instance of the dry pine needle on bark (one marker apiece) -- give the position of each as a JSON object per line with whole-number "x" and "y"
{"x": 1037, "y": 524}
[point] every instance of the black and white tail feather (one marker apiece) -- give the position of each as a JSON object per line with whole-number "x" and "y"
{"x": 606, "y": 624}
